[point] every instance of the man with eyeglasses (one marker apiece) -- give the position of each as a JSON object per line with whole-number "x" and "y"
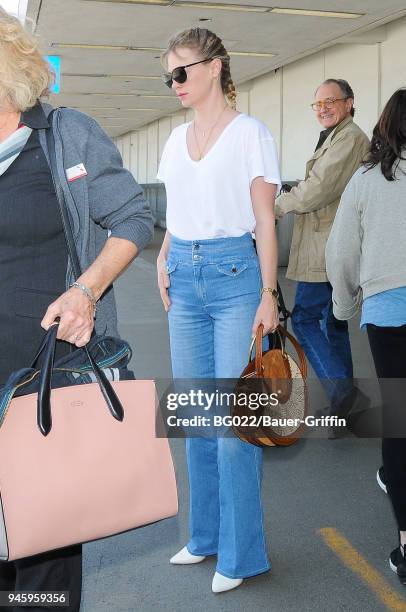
{"x": 339, "y": 151}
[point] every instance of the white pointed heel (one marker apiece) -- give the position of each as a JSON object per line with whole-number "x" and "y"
{"x": 184, "y": 557}
{"x": 222, "y": 583}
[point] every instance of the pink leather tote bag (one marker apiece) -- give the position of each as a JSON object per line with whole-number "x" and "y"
{"x": 90, "y": 468}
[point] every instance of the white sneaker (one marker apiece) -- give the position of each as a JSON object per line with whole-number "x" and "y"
{"x": 222, "y": 583}
{"x": 184, "y": 557}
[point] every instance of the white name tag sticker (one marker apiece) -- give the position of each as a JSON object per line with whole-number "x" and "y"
{"x": 75, "y": 172}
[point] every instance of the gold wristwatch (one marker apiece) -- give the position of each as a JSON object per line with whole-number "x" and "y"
{"x": 270, "y": 290}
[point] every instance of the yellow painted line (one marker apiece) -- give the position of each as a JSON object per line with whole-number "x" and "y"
{"x": 356, "y": 562}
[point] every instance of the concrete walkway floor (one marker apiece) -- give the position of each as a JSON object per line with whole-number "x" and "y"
{"x": 329, "y": 527}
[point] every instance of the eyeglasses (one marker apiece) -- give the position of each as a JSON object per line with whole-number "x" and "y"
{"x": 327, "y": 102}
{"x": 179, "y": 73}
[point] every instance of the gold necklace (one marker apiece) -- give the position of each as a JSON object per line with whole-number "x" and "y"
{"x": 202, "y": 150}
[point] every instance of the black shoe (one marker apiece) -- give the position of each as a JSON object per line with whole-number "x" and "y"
{"x": 397, "y": 564}
{"x": 334, "y": 432}
{"x": 380, "y": 477}
{"x": 354, "y": 406}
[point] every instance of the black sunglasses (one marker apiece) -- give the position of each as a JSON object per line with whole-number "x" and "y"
{"x": 179, "y": 73}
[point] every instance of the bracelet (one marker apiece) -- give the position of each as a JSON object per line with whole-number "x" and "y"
{"x": 87, "y": 293}
{"x": 271, "y": 291}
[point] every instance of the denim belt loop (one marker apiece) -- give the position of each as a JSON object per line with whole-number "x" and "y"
{"x": 196, "y": 247}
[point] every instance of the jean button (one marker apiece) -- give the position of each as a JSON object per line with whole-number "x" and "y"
{"x": 195, "y": 256}
{"x": 197, "y": 246}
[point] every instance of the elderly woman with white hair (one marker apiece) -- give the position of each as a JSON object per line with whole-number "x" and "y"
{"x": 111, "y": 223}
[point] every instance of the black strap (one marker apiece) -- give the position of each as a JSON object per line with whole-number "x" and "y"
{"x": 49, "y": 342}
{"x": 282, "y": 307}
{"x": 284, "y": 313}
{"x": 60, "y": 196}
{"x": 44, "y": 415}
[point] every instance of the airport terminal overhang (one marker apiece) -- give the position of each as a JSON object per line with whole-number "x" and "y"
{"x": 110, "y": 49}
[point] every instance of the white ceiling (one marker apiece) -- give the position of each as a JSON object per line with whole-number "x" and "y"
{"x": 288, "y": 37}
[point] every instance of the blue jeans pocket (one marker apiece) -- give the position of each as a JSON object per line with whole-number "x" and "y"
{"x": 238, "y": 279}
{"x": 232, "y": 268}
{"x": 171, "y": 266}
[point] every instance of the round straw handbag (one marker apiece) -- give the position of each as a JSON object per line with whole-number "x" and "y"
{"x": 276, "y": 375}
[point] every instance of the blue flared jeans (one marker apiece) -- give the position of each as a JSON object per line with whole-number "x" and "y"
{"x": 214, "y": 291}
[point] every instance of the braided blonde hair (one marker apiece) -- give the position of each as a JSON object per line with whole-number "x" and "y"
{"x": 209, "y": 46}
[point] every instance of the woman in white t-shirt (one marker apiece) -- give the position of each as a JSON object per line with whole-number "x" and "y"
{"x": 221, "y": 174}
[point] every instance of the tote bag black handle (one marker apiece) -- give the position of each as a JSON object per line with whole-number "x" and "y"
{"x": 44, "y": 414}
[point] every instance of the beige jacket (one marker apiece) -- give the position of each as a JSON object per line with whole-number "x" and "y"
{"x": 315, "y": 200}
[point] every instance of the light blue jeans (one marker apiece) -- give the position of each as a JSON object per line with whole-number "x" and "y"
{"x": 214, "y": 292}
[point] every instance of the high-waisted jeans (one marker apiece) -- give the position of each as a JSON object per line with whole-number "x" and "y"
{"x": 214, "y": 292}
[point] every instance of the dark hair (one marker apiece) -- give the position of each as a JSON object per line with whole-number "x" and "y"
{"x": 345, "y": 87}
{"x": 389, "y": 136}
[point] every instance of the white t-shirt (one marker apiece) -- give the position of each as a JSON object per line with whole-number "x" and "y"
{"x": 211, "y": 198}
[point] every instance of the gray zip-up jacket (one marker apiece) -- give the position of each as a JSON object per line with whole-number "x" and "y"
{"x": 105, "y": 202}
{"x": 366, "y": 249}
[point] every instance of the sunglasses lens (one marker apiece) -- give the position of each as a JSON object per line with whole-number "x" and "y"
{"x": 179, "y": 75}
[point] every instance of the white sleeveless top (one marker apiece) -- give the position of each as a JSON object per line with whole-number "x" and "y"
{"x": 211, "y": 198}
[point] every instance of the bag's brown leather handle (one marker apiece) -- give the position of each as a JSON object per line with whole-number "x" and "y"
{"x": 281, "y": 331}
{"x": 259, "y": 369}
{"x": 257, "y": 342}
